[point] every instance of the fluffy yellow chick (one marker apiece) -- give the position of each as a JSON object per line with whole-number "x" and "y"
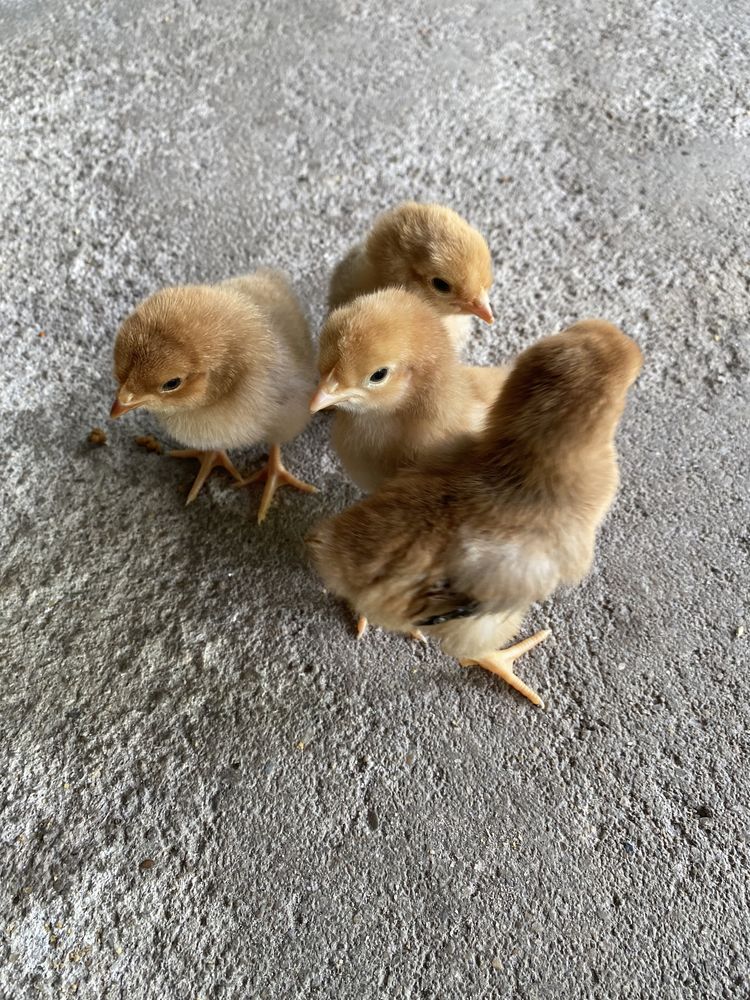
{"x": 222, "y": 366}
{"x": 400, "y": 392}
{"x": 430, "y": 250}
{"x": 462, "y": 550}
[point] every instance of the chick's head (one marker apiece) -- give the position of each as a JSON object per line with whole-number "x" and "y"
{"x": 378, "y": 350}
{"x": 434, "y": 251}
{"x": 169, "y": 352}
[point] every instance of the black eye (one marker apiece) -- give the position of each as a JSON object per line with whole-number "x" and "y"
{"x": 172, "y": 384}
{"x": 441, "y": 286}
{"x": 379, "y": 375}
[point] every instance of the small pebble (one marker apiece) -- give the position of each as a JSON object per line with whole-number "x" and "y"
{"x": 629, "y": 847}
{"x": 739, "y": 631}
{"x": 146, "y": 864}
{"x": 497, "y": 963}
{"x": 410, "y": 759}
{"x": 149, "y": 442}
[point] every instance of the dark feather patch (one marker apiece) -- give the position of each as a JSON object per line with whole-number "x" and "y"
{"x": 464, "y": 611}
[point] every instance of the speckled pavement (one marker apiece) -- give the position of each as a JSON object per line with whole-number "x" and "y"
{"x": 208, "y": 789}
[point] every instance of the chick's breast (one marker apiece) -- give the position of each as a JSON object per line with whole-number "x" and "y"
{"x": 282, "y": 372}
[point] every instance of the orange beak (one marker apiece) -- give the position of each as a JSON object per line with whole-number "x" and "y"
{"x": 325, "y": 395}
{"x": 118, "y": 407}
{"x": 480, "y": 306}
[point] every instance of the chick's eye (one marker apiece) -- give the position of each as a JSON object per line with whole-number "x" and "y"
{"x": 171, "y": 385}
{"x": 441, "y": 286}
{"x": 379, "y": 376}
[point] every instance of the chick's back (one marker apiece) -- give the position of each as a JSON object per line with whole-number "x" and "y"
{"x": 273, "y": 296}
{"x": 354, "y": 275}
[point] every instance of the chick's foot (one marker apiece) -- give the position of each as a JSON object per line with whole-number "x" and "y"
{"x": 275, "y": 475}
{"x": 209, "y": 460}
{"x": 501, "y": 662}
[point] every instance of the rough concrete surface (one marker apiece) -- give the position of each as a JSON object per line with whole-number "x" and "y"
{"x": 208, "y": 789}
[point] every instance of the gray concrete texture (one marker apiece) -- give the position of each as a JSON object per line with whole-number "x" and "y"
{"x": 208, "y": 789}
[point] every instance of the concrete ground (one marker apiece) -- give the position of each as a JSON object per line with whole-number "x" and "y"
{"x": 208, "y": 790}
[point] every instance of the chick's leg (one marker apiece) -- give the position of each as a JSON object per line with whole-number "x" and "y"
{"x": 501, "y": 662}
{"x": 209, "y": 460}
{"x": 275, "y": 475}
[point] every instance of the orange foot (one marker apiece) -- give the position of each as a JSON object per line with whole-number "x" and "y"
{"x": 209, "y": 460}
{"x": 501, "y": 662}
{"x": 275, "y": 475}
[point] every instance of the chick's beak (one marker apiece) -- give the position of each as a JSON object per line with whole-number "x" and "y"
{"x": 121, "y": 406}
{"x": 480, "y": 306}
{"x": 326, "y": 394}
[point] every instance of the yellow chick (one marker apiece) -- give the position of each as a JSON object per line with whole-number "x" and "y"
{"x": 463, "y": 549}
{"x": 222, "y": 366}
{"x": 427, "y": 249}
{"x": 400, "y": 392}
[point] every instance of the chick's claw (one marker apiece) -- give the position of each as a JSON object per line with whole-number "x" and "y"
{"x": 275, "y": 475}
{"x": 362, "y": 625}
{"x": 501, "y": 662}
{"x": 209, "y": 460}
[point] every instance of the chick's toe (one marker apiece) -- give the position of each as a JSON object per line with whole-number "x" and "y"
{"x": 209, "y": 460}
{"x": 501, "y": 662}
{"x": 275, "y": 474}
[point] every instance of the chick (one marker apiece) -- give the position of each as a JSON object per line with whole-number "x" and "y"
{"x": 430, "y": 250}
{"x": 402, "y": 396}
{"x": 463, "y": 549}
{"x": 222, "y": 366}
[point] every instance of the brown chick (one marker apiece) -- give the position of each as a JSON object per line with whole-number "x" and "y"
{"x": 400, "y": 392}
{"x": 462, "y": 550}
{"x": 222, "y": 366}
{"x": 427, "y": 249}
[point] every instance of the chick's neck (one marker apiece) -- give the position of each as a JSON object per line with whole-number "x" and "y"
{"x": 438, "y": 389}
{"x": 551, "y": 457}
